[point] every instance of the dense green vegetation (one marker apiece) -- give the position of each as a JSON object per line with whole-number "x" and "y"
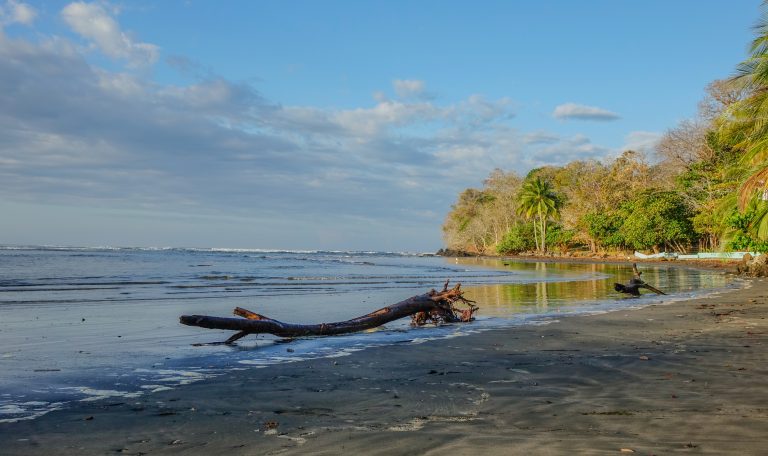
{"x": 707, "y": 189}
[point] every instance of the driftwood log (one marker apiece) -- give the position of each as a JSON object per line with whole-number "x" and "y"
{"x": 635, "y": 284}
{"x": 434, "y": 306}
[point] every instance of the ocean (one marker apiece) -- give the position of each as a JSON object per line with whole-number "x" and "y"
{"x": 83, "y": 324}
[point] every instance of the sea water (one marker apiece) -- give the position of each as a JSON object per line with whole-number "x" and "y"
{"x": 82, "y": 324}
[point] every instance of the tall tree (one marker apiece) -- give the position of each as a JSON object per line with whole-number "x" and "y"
{"x": 656, "y": 219}
{"x": 537, "y": 200}
{"x": 480, "y": 218}
{"x": 745, "y": 122}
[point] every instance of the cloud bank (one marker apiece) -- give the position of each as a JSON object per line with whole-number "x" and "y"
{"x": 14, "y": 12}
{"x": 94, "y": 23}
{"x": 583, "y": 112}
{"x": 76, "y": 133}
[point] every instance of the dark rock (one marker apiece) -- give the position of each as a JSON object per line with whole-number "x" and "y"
{"x": 454, "y": 253}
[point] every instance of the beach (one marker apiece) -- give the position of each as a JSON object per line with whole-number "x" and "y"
{"x": 684, "y": 377}
{"x": 272, "y": 228}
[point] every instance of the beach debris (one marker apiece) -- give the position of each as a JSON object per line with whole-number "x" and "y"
{"x": 626, "y": 450}
{"x": 634, "y": 285}
{"x": 434, "y": 306}
{"x": 270, "y": 425}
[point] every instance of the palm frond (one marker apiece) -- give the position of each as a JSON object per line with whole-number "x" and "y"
{"x": 759, "y": 223}
{"x": 757, "y": 181}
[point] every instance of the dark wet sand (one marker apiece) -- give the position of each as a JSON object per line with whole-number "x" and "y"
{"x": 689, "y": 377}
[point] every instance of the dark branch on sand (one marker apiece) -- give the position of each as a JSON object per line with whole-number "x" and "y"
{"x": 434, "y": 306}
{"x": 634, "y": 285}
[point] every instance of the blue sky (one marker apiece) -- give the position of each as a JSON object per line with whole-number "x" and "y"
{"x": 325, "y": 124}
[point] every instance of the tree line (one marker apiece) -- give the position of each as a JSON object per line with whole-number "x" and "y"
{"x": 707, "y": 189}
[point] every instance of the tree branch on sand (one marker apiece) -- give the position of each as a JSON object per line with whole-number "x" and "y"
{"x": 635, "y": 284}
{"x": 434, "y": 306}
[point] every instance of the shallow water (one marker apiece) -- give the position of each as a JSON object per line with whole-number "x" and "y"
{"x": 82, "y": 324}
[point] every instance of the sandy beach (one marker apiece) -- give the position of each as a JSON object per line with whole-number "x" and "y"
{"x": 688, "y": 377}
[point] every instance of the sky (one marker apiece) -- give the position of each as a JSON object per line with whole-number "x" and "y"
{"x": 341, "y": 125}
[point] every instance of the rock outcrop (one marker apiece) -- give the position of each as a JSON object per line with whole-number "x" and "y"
{"x": 455, "y": 253}
{"x": 753, "y": 267}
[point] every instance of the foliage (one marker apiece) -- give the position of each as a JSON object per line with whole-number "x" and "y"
{"x": 747, "y": 228}
{"x": 742, "y": 242}
{"x": 605, "y": 228}
{"x": 538, "y": 201}
{"x": 518, "y": 239}
{"x": 743, "y": 123}
{"x": 480, "y": 218}
{"x": 655, "y": 219}
{"x": 560, "y": 237}
{"x": 707, "y": 185}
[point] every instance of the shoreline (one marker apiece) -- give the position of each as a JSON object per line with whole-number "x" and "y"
{"x": 687, "y": 376}
{"x": 708, "y": 264}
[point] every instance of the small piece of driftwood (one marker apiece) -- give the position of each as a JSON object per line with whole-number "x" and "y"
{"x": 434, "y": 306}
{"x": 634, "y": 285}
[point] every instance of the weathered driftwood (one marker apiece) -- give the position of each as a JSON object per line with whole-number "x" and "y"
{"x": 435, "y": 306}
{"x": 634, "y": 285}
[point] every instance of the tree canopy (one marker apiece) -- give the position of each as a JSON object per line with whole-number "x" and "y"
{"x": 706, "y": 189}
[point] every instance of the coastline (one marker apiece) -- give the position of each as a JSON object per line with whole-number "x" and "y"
{"x": 708, "y": 264}
{"x": 681, "y": 377}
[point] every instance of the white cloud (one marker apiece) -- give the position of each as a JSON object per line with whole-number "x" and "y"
{"x": 540, "y": 137}
{"x": 371, "y": 121}
{"x": 15, "y": 12}
{"x": 216, "y": 146}
{"x": 583, "y": 112}
{"x": 386, "y": 116}
{"x": 564, "y": 150}
{"x": 642, "y": 141}
{"x": 408, "y": 88}
{"x": 94, "y": 23}
{"x": 458, "y": 153}
{"x": 477, "y": 110}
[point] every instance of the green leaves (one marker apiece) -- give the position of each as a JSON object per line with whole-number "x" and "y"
{"x": 745, "y": 123}
{"x": 538, "y": 200}
{"x": 749, "y": 229}
{"x": 656, "y": 219}
{"x": 518, "y": 239}
{"x": 650, "y": 219}
{"x": 604, "y": 228}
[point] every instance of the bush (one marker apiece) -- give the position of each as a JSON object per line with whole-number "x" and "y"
{"x": 742, "y": 239}
{"x": 560, "y": 237}
{"x": 604, "y": 228}
{"x": 518, "y": 239}
{"x": 655, "y": 219}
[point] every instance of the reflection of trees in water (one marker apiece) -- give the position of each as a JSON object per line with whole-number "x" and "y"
{"x": 682, "y": 279}
{"x": 540, "y": 296}
{"x": 541, "y": 288}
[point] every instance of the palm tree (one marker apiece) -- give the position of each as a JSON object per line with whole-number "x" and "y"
{"x": 538, "y": 201}
{"x": 745, "y": 122}
{"x": 744, "y": 126}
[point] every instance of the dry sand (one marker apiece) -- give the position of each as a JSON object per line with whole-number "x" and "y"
{"x": 689, "y": 377}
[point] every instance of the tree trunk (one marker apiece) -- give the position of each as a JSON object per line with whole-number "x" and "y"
{"x": 634, "y": 285}
{"x": 433, "y": 306}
